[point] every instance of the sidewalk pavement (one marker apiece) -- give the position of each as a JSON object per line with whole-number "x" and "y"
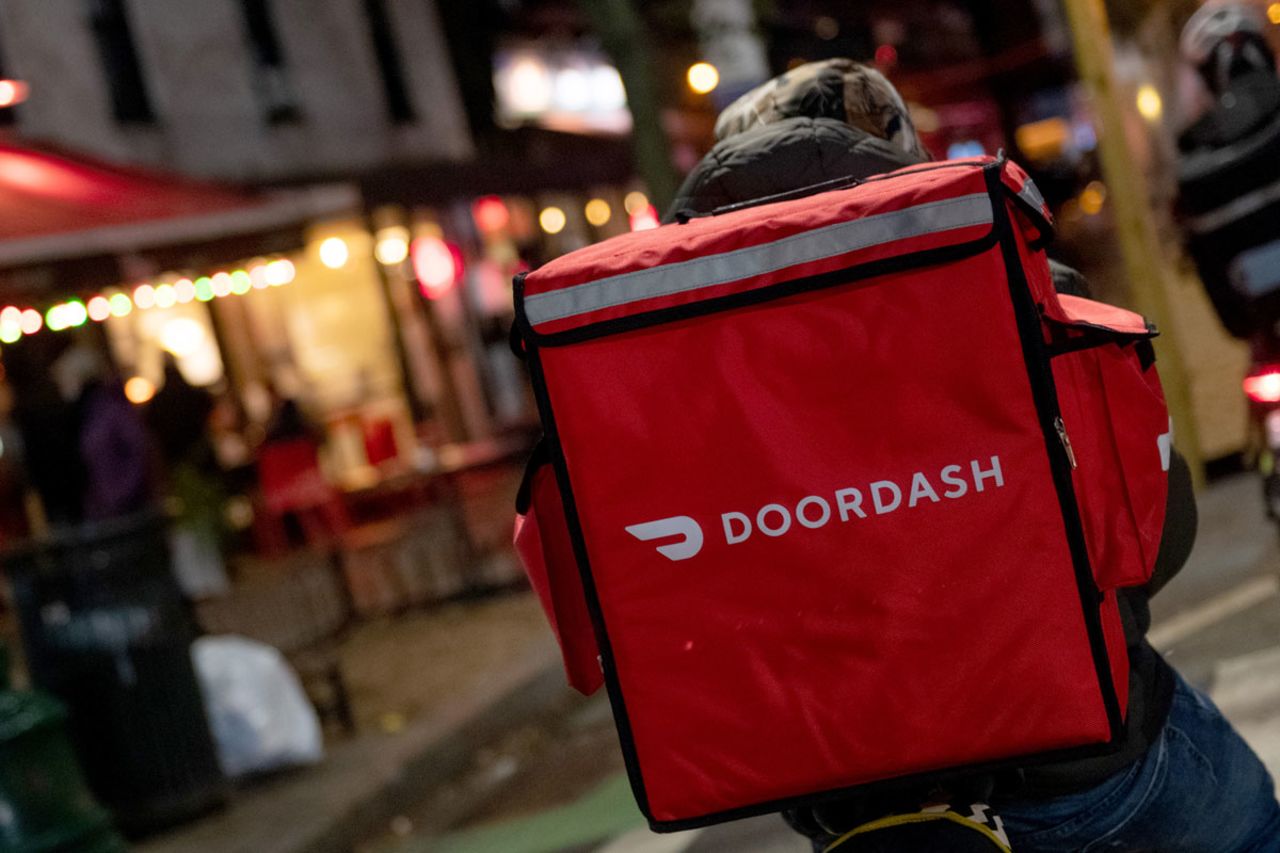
{"x": 430, "y": 690}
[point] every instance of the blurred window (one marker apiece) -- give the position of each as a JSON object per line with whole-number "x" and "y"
{"x": 390, "y": 66}
{"x": 271, "y": 73}
{"x": 129, "y": 99}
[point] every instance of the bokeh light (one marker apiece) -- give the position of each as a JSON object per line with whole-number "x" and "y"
{"x": 99, "y": 309}
{"x": 144, "y": 296}
{"x": 703, "y": 77}
{"x": 139, "y": 390}
{"x": 334, "y": 253}
{"x": 166, "y": 296}
{"x": 392, "y": 246}
{"x": 598, "y": 212}
{"x": 552, "y": 220}
{"x": 635, "y": 201}
{"x": 1150, "y": 104}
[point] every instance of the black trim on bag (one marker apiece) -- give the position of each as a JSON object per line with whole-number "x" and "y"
{"x": 684, "y": 216}
{"x": 1045, "y": 396}
{"x": 756, "y": 296}
{"x": 613, "y": 687}
{"x": 1044, "y": 392}
{"x": 514, "y": 339}
{"x": 538, "y": 457}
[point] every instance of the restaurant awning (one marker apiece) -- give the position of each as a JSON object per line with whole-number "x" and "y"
{"x": 57, "y": 207}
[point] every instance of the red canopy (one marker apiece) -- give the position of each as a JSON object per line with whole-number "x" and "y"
{"x": 56, "y": 206}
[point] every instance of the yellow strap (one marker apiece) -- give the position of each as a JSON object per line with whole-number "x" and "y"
{"x": 918, "y": 817}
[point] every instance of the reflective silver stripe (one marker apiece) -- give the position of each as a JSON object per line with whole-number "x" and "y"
{"x": 1030, "y": 193}
{"x": 711, "y": 270}
{"x": 1236, "y": 209}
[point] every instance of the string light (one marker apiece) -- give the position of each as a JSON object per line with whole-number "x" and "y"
{"x": 31, "y": 321}
{"x": 99, "y": 308}
{"x": 10, "y": 324}
{"x": 392, "y": 246}
{"x": 240, "y": 282}
{"x": 598, "y": 212}
{"x": 334, "y": 253}
{"x": 635, "y": 202}
{"x": 552, "y": 220}
{"x": 258, "y": 275}
{"x": 144, "y": 296}
{"x": 280, "y": 272}
{"x": 16, "y": 322}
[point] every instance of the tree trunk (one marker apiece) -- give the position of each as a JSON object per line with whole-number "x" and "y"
{"x": 626, "y": 39}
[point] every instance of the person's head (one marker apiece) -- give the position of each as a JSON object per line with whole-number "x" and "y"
{"x": 1225, "y": 41}
{"x": 839, "y": 89}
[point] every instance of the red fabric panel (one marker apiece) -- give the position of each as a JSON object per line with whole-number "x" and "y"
{"x": 711, "y": 235}
{"x": 1078, "y": 311}
{"x": 44, "y": 192}
{"x": 546, "y": 552}
{"x": 940, "y": 634}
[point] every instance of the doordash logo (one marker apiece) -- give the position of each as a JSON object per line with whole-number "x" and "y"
{"x": 689, "y": 531}
{"x": 812, "y": 512}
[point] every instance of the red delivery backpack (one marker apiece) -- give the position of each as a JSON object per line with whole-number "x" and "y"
{"x": 838, "y": 490}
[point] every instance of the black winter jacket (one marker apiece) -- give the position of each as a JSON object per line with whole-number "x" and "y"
{"x": 792, "y": 154}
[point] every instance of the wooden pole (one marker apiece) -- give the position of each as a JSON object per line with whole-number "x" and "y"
{"x": 1146, "y": 266}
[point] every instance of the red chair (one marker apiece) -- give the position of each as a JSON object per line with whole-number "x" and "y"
{"x": 292, "y": 482}
{"x": 380, "y": 441}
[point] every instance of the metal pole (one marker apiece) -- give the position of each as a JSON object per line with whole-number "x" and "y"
{"x": 1144, "y": 260}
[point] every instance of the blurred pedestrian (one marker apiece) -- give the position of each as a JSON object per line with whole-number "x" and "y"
{"x": 111, "y": 438}
{"x": 47, "y": 423}
{"x": 1182, "y": 779}
{"x": 179, "y": 418}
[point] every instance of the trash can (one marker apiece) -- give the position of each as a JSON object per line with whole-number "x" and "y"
{"x": 107, "y": 632}
{"x": 44, "y": 801}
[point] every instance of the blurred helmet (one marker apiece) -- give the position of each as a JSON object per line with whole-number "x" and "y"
{"x": 1225, "y": 41}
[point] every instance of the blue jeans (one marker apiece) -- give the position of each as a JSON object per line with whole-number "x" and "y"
{"x": 1198, "y": 789}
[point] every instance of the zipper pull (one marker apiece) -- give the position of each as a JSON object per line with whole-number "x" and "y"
{"x": 1065, "y": 439}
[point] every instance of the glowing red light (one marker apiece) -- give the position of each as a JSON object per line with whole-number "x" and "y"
{"x": 886, "y": 56}
{"x": 644, "y": 218}
{"x": 437, "y": 265}
{"x": 491, "y": 214}
{"x": 1264, "y": 387}
{"x": 13, "y": 92}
